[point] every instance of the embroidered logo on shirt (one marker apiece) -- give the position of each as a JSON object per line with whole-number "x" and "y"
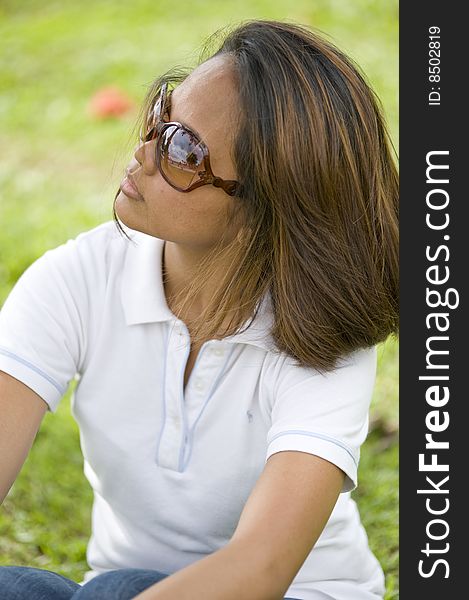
{"x": 250, "y": 417}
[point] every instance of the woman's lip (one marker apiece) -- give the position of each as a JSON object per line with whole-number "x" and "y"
{"x": 129, "y": 188}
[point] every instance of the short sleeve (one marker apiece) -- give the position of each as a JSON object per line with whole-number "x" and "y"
{"x": 42, "y": 324}
{"x": 325, "y": 414}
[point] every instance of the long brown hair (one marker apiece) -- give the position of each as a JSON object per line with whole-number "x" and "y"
{"x": 318, "y": 200}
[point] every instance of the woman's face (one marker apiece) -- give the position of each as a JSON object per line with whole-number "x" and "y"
{"x": 207, "y": 103}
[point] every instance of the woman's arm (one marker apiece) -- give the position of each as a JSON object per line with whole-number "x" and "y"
{"x": 233, "y": 572}
{"x": 281, "y": 521}
{"x": 21, "y": 413}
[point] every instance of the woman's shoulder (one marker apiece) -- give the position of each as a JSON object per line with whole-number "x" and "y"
{"x": 90, "y": 254}
{"x": 285, "y": 372}
{"x": 72, "y": 272}
{"x": 95, "y": 241}
{"x": 325, "y": 414}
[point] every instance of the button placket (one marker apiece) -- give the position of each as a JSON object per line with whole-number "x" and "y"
{"x": 205, "y": 369}
{"x": 199, "y": 385}
{"x": 204, "y": 376}
{"x": 184, "y": 408}
{"x": 173, "y": 432}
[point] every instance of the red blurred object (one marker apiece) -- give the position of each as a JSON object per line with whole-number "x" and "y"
{"x": 110, "y": 102}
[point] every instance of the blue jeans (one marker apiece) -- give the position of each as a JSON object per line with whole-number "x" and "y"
{"x": 29, "y": 583}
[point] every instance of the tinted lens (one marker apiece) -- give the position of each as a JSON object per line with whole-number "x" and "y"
{"x": 181, "y": 156}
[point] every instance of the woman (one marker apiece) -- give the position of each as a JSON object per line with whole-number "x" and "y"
{"x": 225, "y": 344}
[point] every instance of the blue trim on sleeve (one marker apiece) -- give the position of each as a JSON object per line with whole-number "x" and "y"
{"x": 321, "y": 436}
{"x": 37, "y": 370}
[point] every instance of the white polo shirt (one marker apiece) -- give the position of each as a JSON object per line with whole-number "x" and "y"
{"x": 171, "y": 469}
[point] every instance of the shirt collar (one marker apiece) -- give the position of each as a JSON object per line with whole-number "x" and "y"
{"x": 144, "y": 300}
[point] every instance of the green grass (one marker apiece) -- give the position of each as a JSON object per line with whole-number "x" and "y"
{"x": 59, "y": 169}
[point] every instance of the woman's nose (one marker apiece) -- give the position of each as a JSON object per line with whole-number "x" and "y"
{"x": 133, "y": 165}
{"x": 144, "y": 155}
{"x": 139, "y": 154}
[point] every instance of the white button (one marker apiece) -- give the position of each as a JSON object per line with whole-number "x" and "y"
{"x": 218, "y": 351}
{"x": 199, "y": 384}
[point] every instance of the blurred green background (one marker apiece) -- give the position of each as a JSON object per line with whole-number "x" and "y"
{"x": 59, "y": 169}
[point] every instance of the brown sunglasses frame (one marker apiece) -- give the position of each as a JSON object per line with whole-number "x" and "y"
{"x": 206, "y": 176}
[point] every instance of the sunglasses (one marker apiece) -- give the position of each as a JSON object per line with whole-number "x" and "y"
{"x": 181, "y": 156}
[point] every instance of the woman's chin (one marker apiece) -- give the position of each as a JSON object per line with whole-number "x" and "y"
{"x": 125, "y": 210}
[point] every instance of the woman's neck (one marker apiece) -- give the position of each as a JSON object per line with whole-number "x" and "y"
{"x": 179, "y": 265}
